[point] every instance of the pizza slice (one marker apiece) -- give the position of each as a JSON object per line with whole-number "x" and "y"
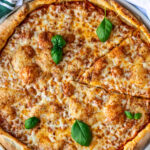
{"x": 125, "y": 69}
{"x": 114, "y": 119}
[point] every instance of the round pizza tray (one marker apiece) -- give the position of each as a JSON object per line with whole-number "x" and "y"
{"x": 136, "y": 12}
{"x": 142, "y": 18}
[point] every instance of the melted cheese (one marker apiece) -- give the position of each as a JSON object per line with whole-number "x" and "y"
{"x": 126, "y": 69}
{"x": 45, "y": 97}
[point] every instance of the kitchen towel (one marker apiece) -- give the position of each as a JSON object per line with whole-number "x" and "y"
{"x": 7, "y": 7}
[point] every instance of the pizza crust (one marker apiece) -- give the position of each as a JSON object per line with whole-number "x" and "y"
{"x": 139, "y": 142}
{"x": 10, "y": 143}
{"x": 129, "y": 19}
{"x": 8, "y": 26}
{"x": 125, "y": 16}
{"x": 145, "y": 35}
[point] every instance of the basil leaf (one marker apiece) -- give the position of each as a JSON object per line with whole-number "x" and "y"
{"x": 104, "y": 30}
{"x": 58, "y": 41}
{"x": 129, "y": 115}
{"x": 81, "y": 133}
{"x": 56, "y": 54}
{"x": 137, "y": 116}
{"x": 31, "y": 122}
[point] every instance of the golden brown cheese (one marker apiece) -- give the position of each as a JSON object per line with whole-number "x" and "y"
{"x": 57, "y": 113}
{"x": 114, "y": 110}
{"x": 29, "y": 73}
{"x": 44, "y": 60}
{"x": 124, "y": 69}
{"x": 45, "y": 40}
{"x": 78, "y": 27}
{"x": 31, "y": 84}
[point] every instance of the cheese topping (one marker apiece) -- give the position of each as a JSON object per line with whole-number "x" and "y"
{"x": 31, "y": 84}
{"x": 125, "y": 69}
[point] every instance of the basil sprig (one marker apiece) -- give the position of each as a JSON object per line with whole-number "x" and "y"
{"x": 58, "y": 41}
{"x": 81, "y": 133}
{"x": 57, "y": 50}
{"x": 56, "y": 54}
{"x": 129, "y": 115}
{"x": 104, "y": 29}
{"x": 135, "y": 116}
{"x": 31, "y": 122}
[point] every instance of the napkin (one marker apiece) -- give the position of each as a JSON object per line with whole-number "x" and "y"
{"x": 7, "y": 7}
{"x": 142, "y": 5}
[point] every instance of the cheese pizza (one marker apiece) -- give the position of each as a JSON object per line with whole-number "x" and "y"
{"x": 125, "y": 68}
{"x": 70, "y": 72}
{"x": 63, "y": 103}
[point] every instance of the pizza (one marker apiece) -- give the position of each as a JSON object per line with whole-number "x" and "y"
{"x": 124, "y": 69}
{"x": 74, "y": 75}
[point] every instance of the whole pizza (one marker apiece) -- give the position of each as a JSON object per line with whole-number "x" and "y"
{"x": 74, "y": 75}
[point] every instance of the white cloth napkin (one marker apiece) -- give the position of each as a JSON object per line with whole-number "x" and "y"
{"x": 142, "y": 5}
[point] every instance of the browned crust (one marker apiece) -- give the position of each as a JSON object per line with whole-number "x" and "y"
{"x": 139, "y": 142}
{"x": 10, "y": 143}
{"x": 128, "y": 18}
{"x": 7, "y": 28}
{"x": 145, "y": 34}
{"x": 125, "y": 16}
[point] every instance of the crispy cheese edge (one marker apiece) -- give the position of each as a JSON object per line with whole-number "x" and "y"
{"x": 140, "y": 140}
{"x": 125, "y": 15}
{"x": 11, "y": 143}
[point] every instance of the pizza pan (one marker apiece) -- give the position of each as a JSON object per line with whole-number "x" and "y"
{"x": 142, "y": 18}
{"x": 136, "y": 12}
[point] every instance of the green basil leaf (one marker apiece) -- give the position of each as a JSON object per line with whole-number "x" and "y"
{"x": 104, "y": 30}
{"x": 137, "y": 116}
{"x": 81, "y": 133}
{"x": 31, "y": 122}
{"x": 56, "y": 54}
{"x": 129, "y": 115}
{"x": 58, "y": 41}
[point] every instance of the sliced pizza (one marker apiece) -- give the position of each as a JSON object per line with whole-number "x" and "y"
{"x": 76, "y": 22}
{"x": 114, "y": 119}
{"x": 125, "y": 69}
{"x": 53, "y": 45}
